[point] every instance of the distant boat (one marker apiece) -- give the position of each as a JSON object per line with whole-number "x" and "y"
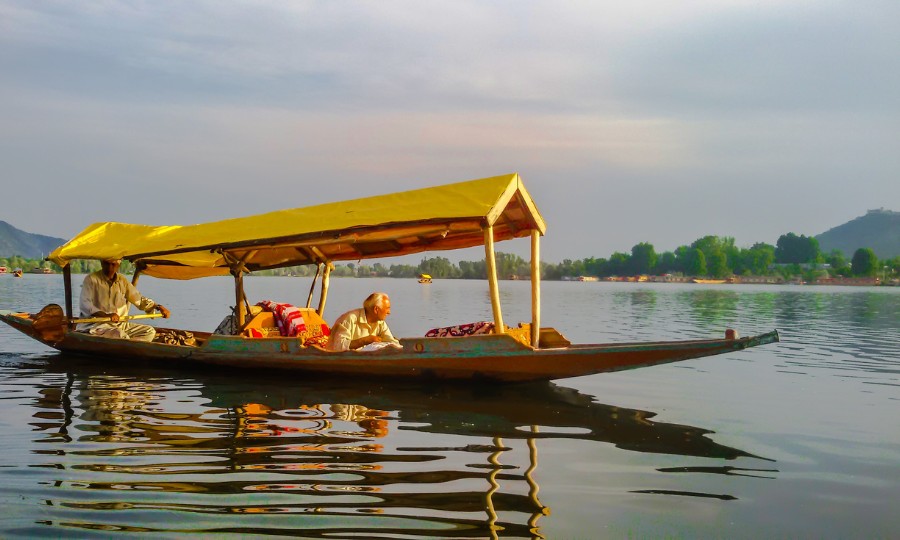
{"x": 17, "y": 272}
{"x": 3, "y": 269}
{"x": 709, "y": 281}
{"x": 424, "y": 278}
{"x": 587, "y": 278}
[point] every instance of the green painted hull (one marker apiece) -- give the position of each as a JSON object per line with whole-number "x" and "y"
{"x": 487, "y": 357}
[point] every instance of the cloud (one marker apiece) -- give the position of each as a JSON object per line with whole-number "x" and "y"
{"x": 814, "y": 57}
{"x": 630, "y": 122}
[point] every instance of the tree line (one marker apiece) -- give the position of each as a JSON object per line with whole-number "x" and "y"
{"x": 78, "y": 266}
{"x": 710, "y": 256}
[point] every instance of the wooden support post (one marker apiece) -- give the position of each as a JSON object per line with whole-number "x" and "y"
{"x": 312, "y": 286}
{"x": 491, "y": 260}
{"x": 241, "y": 306}
{"x": 239, "y": 309}
{"x": 67, "y": 285}
{"x": 535, "y": 289}
{"x": 326, "y": 279}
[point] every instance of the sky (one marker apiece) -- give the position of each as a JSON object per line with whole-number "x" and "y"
{"x": 629, "y": 122}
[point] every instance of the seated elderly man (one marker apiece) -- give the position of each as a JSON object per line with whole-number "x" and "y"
{"x": 107, "y": 293}
{"x": 360, "y": 327}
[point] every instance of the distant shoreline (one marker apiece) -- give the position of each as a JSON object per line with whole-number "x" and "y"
{"x": 736, "y": 280}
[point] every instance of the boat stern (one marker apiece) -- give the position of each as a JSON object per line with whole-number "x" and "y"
{"x": 21, "y": 321}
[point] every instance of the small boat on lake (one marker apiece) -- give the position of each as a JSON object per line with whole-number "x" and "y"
{"x": 708, "y": 281}
{"x": 424, "y": 278}
{"x": 453, "y": 216}
{"x": 17, "y": 272}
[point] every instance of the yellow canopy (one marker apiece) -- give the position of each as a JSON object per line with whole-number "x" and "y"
{"x": 451, "y": 216}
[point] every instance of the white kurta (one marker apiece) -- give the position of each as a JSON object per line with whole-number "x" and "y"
{"x": 98, "y": 294}
{"x": 354, "y": 325}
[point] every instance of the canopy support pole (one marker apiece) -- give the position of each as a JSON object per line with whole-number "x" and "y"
{"x": 239, "y": 309}
{"x": 67, "y": 285}
{"x": 535, "y": 288}
{"x": 241, "y": 305}
{"x": 326, "y": 279}
{"x": 135, "y": 277}
{"x": 312, "y": 286}
{"x": 491, "y": 260}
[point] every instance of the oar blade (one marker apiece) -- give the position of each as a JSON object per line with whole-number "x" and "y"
{"x": 50, "y": 323}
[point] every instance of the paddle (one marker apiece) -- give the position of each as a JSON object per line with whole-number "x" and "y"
{"x": 121, "y": 319}
{"x": 51, "y": 322}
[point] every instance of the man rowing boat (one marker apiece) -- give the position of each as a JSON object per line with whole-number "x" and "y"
{"x": 107, "y": 293}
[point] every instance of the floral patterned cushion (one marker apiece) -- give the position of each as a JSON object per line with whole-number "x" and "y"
{"x": 460, "y": 330}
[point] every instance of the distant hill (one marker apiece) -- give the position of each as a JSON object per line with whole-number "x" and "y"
{"x": 878, "y": 229}
{"x": 31, "y": 246}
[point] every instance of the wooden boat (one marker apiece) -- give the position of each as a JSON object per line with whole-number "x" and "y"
{"x": 424, "y": 278}
{"x": 453, "y": 216}
{"x": 17, "y": 272}
{"x": 708, "y": 281}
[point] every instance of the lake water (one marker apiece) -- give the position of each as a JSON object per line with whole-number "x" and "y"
{"x": 799, "y": 439}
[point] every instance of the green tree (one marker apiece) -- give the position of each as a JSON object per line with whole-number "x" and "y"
{"x": 695, "y": 262}
{"x": 864, "y": 263}
{"x": 509, "y": 265}
{"x": 793, "y": 249}
{"x": 549, "y": 271}
{"x": 811, "y": 275}
{"x": 643, "y": 258}
{"x": 717, "y": 264}
{"x": 594, "y": 267}
{"x": 893, "y": 267}
{"x": 666, "y": 263}
{"x": 403, "y": 271}
{"x": 683, "y": 256}
{"x": 757, "y": 259}
{"x": 473, "y": 270}
{"x": 380, "y": 270}
{"x": 438, "y": 267}
{"x": 715, "y": 251}
{"x": 570, "y": 268}
{"x": 344, "y": 270}
{"x": 838, "y": 262}
{"x": 618, "y": 264}
{"x": 733, "y": 260}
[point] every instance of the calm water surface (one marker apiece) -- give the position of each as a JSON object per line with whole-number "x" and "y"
{"x": 799, "y": 439}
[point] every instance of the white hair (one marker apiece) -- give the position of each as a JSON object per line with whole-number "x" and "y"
{"x": 375, "y": 299}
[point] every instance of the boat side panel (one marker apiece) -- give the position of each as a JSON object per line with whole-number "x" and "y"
{"x": 495, "y": 357}
{"x": 489, "y": 357}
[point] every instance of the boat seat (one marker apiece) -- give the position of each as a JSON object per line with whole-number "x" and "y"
{"x": 550, "y": 338}
{"x": 263, "y": 325}
{"x": 229, "y": 325}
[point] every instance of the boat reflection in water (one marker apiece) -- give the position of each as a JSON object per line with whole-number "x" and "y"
{"x": 135, "y": 450}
